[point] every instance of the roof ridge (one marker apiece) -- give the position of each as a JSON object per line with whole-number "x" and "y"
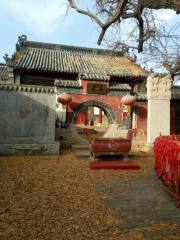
{"x": 79, "y": 53}
{"x": 72, "y": 49}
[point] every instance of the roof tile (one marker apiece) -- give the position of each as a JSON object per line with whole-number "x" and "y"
{"x": 64, "y": 60}
{"x": 4, "y": 73}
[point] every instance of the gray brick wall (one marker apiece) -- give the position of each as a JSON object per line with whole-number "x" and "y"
{"x": 26, "y": 116}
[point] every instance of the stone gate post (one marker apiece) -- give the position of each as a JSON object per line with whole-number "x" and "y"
{"x": 159, "y": 95}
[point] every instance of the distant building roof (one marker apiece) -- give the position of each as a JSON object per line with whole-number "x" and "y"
{"x": 119, "y": 87}
{"x": 68, "y": 84}
{"x": 175, "y": 90}
{"x": 4, "y": 73}
{"x": 95, "y": 63}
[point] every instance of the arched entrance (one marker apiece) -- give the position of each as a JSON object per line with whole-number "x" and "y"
{"x": 110, "y": 113}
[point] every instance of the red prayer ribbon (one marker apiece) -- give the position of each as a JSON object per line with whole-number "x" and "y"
{"x": 167, "y": 158}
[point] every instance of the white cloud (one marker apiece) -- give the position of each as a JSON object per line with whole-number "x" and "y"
{"x": 166, "y": 15}
{"x": 42, "y": 15}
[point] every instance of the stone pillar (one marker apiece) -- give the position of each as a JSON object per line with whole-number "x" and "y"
{"x": 100, "y": 118}
{"x": 159, "y": 95}
{"x": 85, "y": 115}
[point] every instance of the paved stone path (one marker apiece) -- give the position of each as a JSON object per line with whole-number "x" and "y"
{"x": 141, "y": 199}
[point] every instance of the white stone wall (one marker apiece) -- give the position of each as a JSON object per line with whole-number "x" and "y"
{"x": 96, "y": 111}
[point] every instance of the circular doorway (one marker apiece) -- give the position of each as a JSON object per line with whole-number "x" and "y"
{"x": 110, "y": 114}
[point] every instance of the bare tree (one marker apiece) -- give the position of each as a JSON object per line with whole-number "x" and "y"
{"x": 146, "y": 33}
{"x": 163, "y": 50}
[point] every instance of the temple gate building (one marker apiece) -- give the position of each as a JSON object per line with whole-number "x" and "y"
{"x": 31, "y": 119}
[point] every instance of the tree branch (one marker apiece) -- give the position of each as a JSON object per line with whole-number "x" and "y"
{"x": 91, "y": 15}
{"x": 105, "y": 25}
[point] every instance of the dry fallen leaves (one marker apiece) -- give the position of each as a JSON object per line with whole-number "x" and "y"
{"x": 46, "y": 198}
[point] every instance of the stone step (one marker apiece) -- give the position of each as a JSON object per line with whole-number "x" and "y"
{"x": 141, "y": 154}
{"x": 80, "y": 131}
{"x": 81, "y": 151}
{"x": 75, "y": 147}
{"x": 82, "y": 154}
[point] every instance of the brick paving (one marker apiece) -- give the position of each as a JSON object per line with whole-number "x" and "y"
{"x": 142, "y": 200}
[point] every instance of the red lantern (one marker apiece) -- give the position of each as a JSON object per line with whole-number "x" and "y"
{"x": 128, "y": 100}
{"x": 64, "y": 98}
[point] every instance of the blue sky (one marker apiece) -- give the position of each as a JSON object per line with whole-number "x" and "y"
{"x": 44, "y": 21}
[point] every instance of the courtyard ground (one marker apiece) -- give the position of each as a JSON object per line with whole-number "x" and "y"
{"x": 60, "y": 198}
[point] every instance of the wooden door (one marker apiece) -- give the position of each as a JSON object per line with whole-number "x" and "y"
{"x": 172, "y": 120}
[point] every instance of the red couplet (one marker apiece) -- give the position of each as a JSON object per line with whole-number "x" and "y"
{"x": 122, "y": 165}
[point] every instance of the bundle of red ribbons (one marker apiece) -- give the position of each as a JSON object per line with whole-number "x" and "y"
{"x": 167, "y": 158}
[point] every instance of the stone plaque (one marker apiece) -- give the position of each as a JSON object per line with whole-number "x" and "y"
{"x": 96, "y": 88}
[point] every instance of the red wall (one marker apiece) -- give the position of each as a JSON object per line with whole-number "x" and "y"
{"x": 172, "y": 119}
{"x": 142, "y": 119}
{"x": 112, "y": 101}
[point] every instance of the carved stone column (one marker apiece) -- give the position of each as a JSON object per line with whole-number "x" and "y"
{"x": 159, "y": 95}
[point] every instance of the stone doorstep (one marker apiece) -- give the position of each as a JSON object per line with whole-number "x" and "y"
{"x": 141, "y": 154}
{"x": 80, "y": 147}
{"x": 80, "y": 131}
{"x": 82, "y": 154}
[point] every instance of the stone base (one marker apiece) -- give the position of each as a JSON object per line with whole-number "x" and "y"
{"x": 149, "y": 146}
{"x": 22, "y": 149}
{"x": 127, "y": 165}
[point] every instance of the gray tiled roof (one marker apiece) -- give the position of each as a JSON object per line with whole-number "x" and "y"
{"x": 26, "y": 88}
{"x": 175, "y": 90}
{"x": 117, "y": 87}
{"x": 98, "y": 64}
{"x": 143, "y": 97}
{"x": 68, "y": 84}
{"x": 94, "y": 76}
{"x": 4, "y": 73}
